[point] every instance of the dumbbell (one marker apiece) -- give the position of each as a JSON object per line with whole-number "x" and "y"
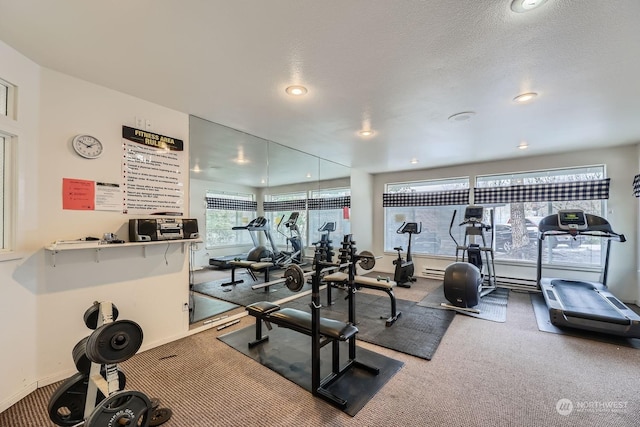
{"x": 385, "y": 279}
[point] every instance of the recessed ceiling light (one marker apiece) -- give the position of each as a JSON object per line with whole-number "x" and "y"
{"x": 523, "y": 145}
{"x": 525, "y": 97}
{"x": 414, "y": 161}
{"x": 522, "y": 6}
{"x": 308, "y": 174}
{"x": 367, "y": 132}
{"x": 461, "y": 117}
{"x": 296, "y": 90}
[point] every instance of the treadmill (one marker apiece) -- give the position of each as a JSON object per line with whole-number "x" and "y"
{"x": 256, "y": 224}
{"x": 582, "y": 304}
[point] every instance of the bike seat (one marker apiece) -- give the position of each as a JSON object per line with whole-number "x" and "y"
{"x": 398, "y": 248}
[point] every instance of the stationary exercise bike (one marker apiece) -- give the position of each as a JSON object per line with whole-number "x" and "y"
{"x": 403, "y": 275}
{"x": 469, "y": 279}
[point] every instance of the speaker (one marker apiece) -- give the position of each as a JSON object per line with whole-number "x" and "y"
{"x": 143, "y": 230}
{"x": 190, "y": 228}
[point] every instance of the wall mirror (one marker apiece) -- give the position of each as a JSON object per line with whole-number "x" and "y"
{"x": 236, "y": 177}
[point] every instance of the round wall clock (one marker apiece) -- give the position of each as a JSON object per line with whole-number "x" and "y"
{"x": 87, "y": 146}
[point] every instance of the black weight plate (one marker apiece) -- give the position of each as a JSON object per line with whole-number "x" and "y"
{"x": 66, "y": 405}
{"x": 294, "y": 278}
{"x": 79, "y": 354}
{"x": 114, "y": 342}
{"x": 123, "y": 408}
{"x": 91, "y": 315}
{"x": 159, "y": 416}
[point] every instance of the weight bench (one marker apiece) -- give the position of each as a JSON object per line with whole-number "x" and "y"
{"x": 252, "y": 267}
{"x": 367, "y": 283}
{"x": 331, "y": 331}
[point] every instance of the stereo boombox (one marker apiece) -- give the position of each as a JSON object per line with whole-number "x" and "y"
{"x": 153, "y": 229}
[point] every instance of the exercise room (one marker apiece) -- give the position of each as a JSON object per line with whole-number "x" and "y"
{"x": 303, "y": 213}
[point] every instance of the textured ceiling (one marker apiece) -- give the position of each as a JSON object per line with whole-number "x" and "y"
{"x": 401, "y": 67}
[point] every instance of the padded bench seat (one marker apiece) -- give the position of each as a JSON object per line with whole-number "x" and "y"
{"x": 252, "y": 267}
{"x": 297, "y": 320}
{"x": 368, "y": 283}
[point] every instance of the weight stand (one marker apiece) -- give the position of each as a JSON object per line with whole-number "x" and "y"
{"x": 95, "y": 395}
{"x": 96, "y": 381}
{"x": 319, "y": 386}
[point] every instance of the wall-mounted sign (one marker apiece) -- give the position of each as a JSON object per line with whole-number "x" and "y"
{"x": 85, "y": 195}
{"x": 154, "y": 170}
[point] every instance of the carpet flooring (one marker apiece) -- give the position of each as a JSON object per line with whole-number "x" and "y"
{"x": 492, "y": 307}
{"x": 288, "y": 353}
{"x": 418, "y": 331}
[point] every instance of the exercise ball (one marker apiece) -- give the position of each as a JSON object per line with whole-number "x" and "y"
{"x": 462, "y": 284}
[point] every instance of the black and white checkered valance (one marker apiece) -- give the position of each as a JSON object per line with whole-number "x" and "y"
{"x": 636, "y": 185}
{"x": 286, "y": 206}
{"x": 231, "y": 204}
{"x": 579, "y": 190}
{"x": 431, "y": 198}
{"x": 330, "y": 203}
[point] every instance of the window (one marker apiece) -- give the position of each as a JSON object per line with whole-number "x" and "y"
{"x": 225, "y": 211}
{"x": 278, "y": 208}
{"x": 7, "y": 92}
{"x": 329, "y": 205}
{"x": 431, "y": 204}
{"x": 2, "y": 193}
{"x": 516, "y": 222}
{"x": 4, "y": 99}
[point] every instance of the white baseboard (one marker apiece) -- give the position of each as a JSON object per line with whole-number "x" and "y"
{"x": 21, "y": 394}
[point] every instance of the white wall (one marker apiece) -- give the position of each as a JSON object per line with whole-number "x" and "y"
{"x": 362, "y": 227}
{"x": 621, "y": 164}
{"x": 41, "y": 305}
{"x": 18, "y": 296}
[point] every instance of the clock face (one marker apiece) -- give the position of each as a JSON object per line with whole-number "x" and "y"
{"x": 87, "y": 146}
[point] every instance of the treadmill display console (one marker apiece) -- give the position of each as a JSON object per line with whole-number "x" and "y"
{"x": 572, "y": 220}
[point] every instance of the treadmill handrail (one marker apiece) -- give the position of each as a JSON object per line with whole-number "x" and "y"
{"x": 594, "y": 233}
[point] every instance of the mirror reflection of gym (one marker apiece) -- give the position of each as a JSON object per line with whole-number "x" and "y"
{"x": 226, "y": 160}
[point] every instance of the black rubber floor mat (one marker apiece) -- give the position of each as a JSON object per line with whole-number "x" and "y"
{"x": 492, "y": 307}
{"x": 242, "y": 293}
{"x": 288, "y": 353}
{"x": 544, "y": 324}
{"x": 418, "y": 331}
{"x": 204, "y": 307}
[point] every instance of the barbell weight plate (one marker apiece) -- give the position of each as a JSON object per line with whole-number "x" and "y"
{"x": 367, "y": 260}
{"x": 66, "y": 405}
{"x": 91, "y": 315}
{"x": 79, "y": 354}
{"x": 122, "y": 408}
{"x": 159, "y": 416}
{"x": 294, "y": 277}
{"x": 114, "y": 342}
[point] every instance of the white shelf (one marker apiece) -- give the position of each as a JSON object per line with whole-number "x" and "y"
{"x": 97, "y": 246}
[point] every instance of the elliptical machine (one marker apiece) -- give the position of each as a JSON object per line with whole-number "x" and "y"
{"x": 296, "y": 254}
{"x": 469, "y": 279}
{"x": 403, "y": 275}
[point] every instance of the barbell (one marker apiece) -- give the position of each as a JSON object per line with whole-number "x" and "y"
{"x": 294, "y": 276}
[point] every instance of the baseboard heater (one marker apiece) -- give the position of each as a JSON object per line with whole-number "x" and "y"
{"x": 514, "y": 283}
